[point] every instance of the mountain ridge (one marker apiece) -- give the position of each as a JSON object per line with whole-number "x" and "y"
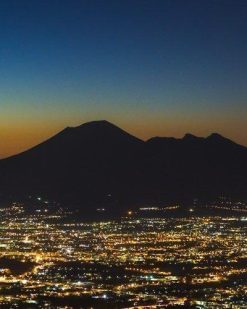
{"x": 95, "y": 160}
{"x": 101, "y": 123}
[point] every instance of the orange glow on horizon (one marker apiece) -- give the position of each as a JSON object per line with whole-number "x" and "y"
{"x": 22, "y": 136}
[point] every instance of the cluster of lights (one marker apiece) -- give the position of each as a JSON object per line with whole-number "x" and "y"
{"x": 154, "y": 261}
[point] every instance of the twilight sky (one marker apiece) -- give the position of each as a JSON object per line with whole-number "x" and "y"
{"x": 151, "y": 67}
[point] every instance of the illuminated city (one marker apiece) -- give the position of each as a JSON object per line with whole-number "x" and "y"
{"x": 123, "y": 154}
{"x": 47, "y": 258}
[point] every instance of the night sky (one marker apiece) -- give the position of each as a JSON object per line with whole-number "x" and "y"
{"x": 151, "y": 67}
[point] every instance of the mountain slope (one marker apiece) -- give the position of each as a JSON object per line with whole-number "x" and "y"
{"x": 79, "y": 163}
{"x": 195, "y": 166}
{"x": 99, "y": 162}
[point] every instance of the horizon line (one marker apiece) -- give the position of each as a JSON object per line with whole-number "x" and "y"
{"x": 186, "y": 135}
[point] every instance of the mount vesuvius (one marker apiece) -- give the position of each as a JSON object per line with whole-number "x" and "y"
{"x": 98, "y": 162}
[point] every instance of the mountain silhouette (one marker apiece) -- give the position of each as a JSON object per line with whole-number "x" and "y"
{"x": 98, "y": 162}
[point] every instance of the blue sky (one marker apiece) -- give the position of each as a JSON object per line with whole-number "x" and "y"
{"x": 152, "y": 67}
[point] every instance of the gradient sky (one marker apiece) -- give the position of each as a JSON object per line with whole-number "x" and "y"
{"x": 152, "y": 67}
